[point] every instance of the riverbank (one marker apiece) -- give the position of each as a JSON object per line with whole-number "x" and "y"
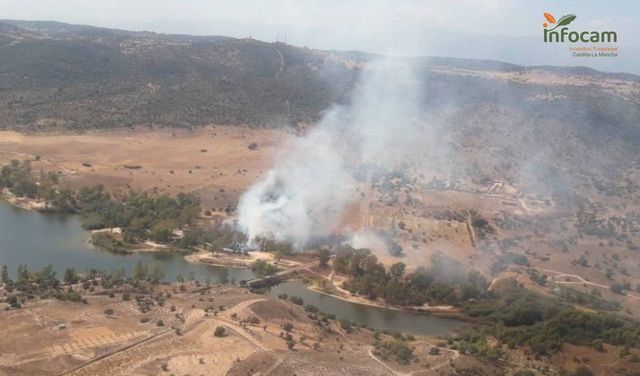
{"x": 115, "y": 233}
{"x": 381, "y": 318}
{"x": 22, "y": 202}
{"x": 239, "y": 260}
{"x": 39, "y": 207}
{"x": 107, "y": 239}
{"x": 61, "y": 242}
{"x": 445, "y": 311}
{"x": 316, "y": 282}
{"x": 218, "y": 259}
{"x": 329, "y": 285}
{"x": 110, "y": 239}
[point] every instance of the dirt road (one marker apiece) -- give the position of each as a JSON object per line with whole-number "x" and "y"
{"x": 580, "y": 280}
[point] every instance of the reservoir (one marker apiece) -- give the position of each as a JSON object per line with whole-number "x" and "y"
{"x": 39, "y": 239}
{"x": 375, "y": 317}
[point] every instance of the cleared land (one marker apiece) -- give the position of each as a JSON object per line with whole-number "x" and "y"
{"x": 49, "y": 337}
{"x": 216, "y": 162}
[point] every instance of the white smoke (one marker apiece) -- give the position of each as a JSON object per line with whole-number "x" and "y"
{"x": 304, "y": 195}
{"x": 370, "y": 240}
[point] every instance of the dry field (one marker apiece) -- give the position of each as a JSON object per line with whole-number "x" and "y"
{"x": 215, "y": 161}
{"x": 50, "y": 337}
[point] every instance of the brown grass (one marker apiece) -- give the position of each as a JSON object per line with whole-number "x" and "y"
{"x": 170, "y": 160}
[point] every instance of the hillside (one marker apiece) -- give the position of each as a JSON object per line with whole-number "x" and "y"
{"x": 60, "y": 76}
{"x": 57, "y": 75}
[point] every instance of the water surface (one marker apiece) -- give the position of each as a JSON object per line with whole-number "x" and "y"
{"x": 375, "y": 317}
{"x": 38, "y": 239}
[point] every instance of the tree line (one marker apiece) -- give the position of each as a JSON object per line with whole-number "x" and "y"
{"x": 139, "y": 215}
{"x": 370, "y": 278}
{"x": 45, "y": 284}
{"x": 521, "y": 318}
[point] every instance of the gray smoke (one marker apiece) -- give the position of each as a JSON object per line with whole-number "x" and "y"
{"x": 303, "y": 197}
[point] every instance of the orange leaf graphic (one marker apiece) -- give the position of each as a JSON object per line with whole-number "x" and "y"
{"x": 549, "y": 17}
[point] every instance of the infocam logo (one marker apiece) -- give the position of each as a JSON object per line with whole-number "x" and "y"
{"x": 558, "y": 32}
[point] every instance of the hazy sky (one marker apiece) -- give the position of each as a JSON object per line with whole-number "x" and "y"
{"x": 508, "y": 30}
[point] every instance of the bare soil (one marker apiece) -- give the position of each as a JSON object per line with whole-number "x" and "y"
{"x": 214, "y": 161}
{"x": 50, "y": 337}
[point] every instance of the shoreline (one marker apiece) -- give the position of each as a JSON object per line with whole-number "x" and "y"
{"x": 228, "y": 260}
{"x": 22, "y": 203}
{"x": 440, "y": 311}
{"x": 193, "y": 258}
{"x": 206, "y": 258}
{"x": 449, "y": 312}
{"x": 35, "y": 206}
{"x": 452, "y": 315}
{"x": 436, "y": 311}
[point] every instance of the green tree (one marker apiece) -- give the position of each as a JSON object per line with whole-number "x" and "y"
{"x": 160, "y": 233}
{"x": 47, "y": 192}
{"x": 16, "y": 176}
{"x": 70, "y": 276}
{"x": 190, "y": 238}
{"x": 155, "y": 273}
{"x": 23, "y": 277}
{"x": 397, "y": 270}
{"x": 224, "y": 276}
{"x": 474, "y": 286}
{"x": 617, "y": 288}
{"x": 323, "y": 257}
{"x": 47, "y": 277}
{"x": 140, "y": 272}
{"x": 5, "y": 275}
{"x": 263, "y": 268}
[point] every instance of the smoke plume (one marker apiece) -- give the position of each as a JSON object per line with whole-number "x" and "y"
{"x": 303, "y": 197}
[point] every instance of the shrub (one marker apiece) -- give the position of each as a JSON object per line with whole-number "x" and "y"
{"x": 296, "y": 300}
{"x": 311, "y": 308}
{"x": 220, "y": 331}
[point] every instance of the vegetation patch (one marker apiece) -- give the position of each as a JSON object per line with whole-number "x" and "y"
{"x": 108, "y": 242}
{"x": 370, "y": 278}
{"x": 395, "y": 349}
{"x": 140, "y": 216}
{"x": 263, "y": 268}
{"x": 521, "y": 318}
